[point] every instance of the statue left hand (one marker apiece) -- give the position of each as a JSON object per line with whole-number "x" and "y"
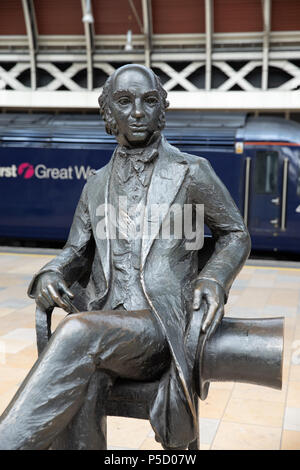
{"x": 212, "y": 294}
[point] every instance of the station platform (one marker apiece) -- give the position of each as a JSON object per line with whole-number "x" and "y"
{"x": 234, "y": 416}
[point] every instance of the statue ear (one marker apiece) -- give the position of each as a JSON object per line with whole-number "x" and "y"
{"x": 110, "y": 122}
{"x": 161, "y": 119}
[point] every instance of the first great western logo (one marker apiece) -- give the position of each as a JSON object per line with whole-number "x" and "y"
{"x": 27, "y": 171}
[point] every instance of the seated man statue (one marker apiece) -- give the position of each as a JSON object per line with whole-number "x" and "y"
{"x": 134, "y": 295}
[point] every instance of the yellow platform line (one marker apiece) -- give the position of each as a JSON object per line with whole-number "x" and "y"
{"x": 271, "y": 268}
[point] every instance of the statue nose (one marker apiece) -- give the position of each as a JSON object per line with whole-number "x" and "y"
{"x": 138, "y": 111}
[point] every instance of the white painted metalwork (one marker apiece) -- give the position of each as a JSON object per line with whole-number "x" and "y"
{"x": 291, "y": 69}
{"x": 147, "y": 31}
{"x": 78, "y": 62}
{"x": 10, "y": 77}
{"x": 28, "y": 11}
{"x": 62, "y": 78}
{"x": 208, "y": 42}
{"x": 219, "y": 70}
{"x": 178, "y": 78}
{"x": 136, "y": 15}
{"x": 266, "y": 41}
{"x": 89, "y": 34}
{"x": 237, "y": 77}
{"x": 87, "y": 12}
{"x": 198, "y": 100}
{"x": 194, "y": 40}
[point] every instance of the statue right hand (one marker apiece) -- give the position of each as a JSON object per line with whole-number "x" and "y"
{"x": 51, "y": 291}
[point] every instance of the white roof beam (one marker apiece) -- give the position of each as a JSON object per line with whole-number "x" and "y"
{"x": 266, "y": 43}
{"x": 200, "y": 100}
{"x": 147, "y": 21}
{"x": 89, "y": 33}
{"x": 31, "y": 29}
{"x": 208, "y": 42}
{"x": 138, "y": 19}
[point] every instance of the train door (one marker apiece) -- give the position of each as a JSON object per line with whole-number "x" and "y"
{"x": 264, "y": 191}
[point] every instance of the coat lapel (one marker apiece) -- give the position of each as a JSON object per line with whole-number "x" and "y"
{"x": 166, "y": 181}
{"x": 100, "y": 205}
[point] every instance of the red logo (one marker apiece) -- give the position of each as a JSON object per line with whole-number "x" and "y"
{"x": 26, "y": 169}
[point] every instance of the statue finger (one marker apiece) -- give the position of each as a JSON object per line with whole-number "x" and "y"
{"x": 57, "y": 299}
{"x": 46, "y": 296}
{"x": 216, "y": 321}
{"x": 212, "y": 308}
{"x": 197, "y": 299}
{"x": 65, "y": 289}
{"x": 42, "y": 303}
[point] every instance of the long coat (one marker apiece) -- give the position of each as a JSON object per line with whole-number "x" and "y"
{"x": 167, "y": 269}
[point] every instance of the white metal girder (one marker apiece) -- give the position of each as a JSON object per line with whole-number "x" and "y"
{"x": 290, "y": 68}
{"x": 89, "y": 44}
{"x": 160, "y": 40}
{"x": 136, "y": 15}
{"x": 62, "y": 78}
{"x": 147, "y": 22}
{"x": 266, "y": 40}
{"x": 10, "y": 77}
{"x": 28, "y": 11}
{"x": 237, "y": 76}
{"x": 208, "y": 42}
{"x": 200, "y": 100}
{"x": 178, "y": 78}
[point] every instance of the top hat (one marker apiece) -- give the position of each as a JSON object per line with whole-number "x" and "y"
{"x": 240, "y": 350}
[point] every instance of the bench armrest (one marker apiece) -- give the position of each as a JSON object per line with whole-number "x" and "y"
{"x": 43, "y": 327}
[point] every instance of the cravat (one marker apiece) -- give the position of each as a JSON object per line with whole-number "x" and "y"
{"x": 136, "y": 160}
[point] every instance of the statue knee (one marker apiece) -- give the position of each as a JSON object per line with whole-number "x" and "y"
{"x": 72, "y": 329}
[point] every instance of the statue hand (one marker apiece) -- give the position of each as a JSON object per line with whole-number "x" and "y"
{"x": 51, "y": 290}
{"x": 212, "y": 294}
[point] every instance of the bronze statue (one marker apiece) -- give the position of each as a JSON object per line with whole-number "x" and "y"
{"x": 137, "y": 294}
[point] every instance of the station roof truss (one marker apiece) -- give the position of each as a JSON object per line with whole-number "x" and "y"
{"x": 195, "y": 46}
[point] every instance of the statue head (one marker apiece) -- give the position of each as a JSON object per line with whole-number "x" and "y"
{"x": 133, "y": 104}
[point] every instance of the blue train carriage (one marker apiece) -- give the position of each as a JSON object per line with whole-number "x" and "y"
{"x": 258, "y": 159}
{"x": 271, "y": 153}
{"x": 46, "y": 159}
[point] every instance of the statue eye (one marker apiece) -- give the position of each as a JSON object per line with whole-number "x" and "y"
{"x": 124, "y": 101}
{"x": 152, "y": 100}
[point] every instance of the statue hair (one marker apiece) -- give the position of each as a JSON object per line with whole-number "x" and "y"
{"x": 105, "y": 111}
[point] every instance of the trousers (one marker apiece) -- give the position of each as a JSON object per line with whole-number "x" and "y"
{"x": 87, "y": 347}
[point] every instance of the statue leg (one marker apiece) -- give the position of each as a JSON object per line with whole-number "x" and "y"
{"x": 52, "y": 392}
{"x": 118, "y": 343}
{"x": 87, "y": 430}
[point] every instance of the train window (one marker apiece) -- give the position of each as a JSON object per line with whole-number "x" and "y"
{"x": 266, "y": 172}
{"x": 298, "y": 179}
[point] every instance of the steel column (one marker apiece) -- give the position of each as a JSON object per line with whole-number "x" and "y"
{"x": 208, "y": 42}
{"x": 147, "y": 21}
{"x": 89, "y": 41}
{"x": 29, "y": 16}
{"x": 134, "y": 11}
{"x": 266, "y": 43}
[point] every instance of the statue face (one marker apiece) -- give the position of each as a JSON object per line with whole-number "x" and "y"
{"x": 135, "y": 105}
